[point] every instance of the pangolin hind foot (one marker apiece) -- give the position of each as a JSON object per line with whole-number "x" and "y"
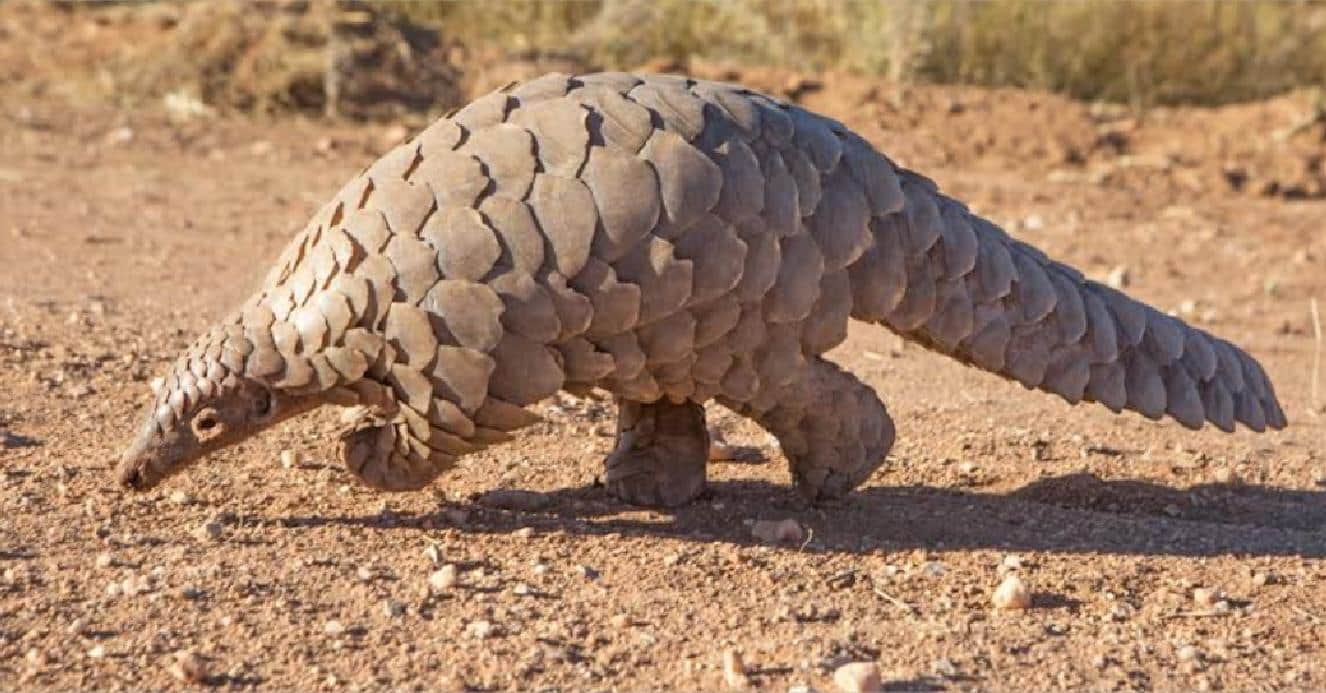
{"x": 670, "y": 241}
{"x": 661, "y": 452}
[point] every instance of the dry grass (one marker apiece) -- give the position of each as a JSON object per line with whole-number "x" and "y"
{"x": 1196, "y": 51}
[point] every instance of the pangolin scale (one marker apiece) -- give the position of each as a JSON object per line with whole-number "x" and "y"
{"x": 670, "y": 241}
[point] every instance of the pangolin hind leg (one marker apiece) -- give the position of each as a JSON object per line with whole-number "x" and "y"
{"x": 660, "y": 454}
{"x": 831, "y": 426}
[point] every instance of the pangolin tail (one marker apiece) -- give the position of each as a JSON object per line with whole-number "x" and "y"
{"x": 944, "y": 277}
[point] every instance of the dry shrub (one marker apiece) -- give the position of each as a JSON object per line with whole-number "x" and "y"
{"x": 1197, "y": 51}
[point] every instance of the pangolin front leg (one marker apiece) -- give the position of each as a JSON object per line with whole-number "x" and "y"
{"x": 660, "y": 454}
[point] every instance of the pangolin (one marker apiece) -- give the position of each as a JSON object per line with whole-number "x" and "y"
{"x": 670, "y": 241}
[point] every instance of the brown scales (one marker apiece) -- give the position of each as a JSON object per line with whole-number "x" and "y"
{"x": 670, "y": 241}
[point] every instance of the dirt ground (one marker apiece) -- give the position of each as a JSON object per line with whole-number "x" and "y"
{"x": 124, "y": 233}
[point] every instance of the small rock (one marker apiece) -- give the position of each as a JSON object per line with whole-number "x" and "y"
{"x": 209, "y": 531}
{"x": 620, "y": 621}
{"x": 289, "y": 459}
{"x": 392, "y": 608}
{"x": 1187, "y": 653}
{"x": 1205, "y": 597}
{"x": 443, "y": 578}
{"x": 777, "y": 531}
{"x": 1225, "y": 475}
{"x": 479, "y": 629}
{"x": 587, "y": 572}
{"x": 523, "y": 533}
{"x": 945, "y": 667}
{"x": 515, "y": 499}
{"x": 1118, "y": 278}
{"x": 97, "y": 652}
{"x": 857, "y": 677}
{"x": 333, "y": 628}
{"x": 180, "y": 498}
{"x": 1033, "y": 222}
{"x": 1260, "y": 579}
{"x": 433, "y": 554}
{"x": 188, "y": 667}
{"x": 933, "y": 569}
{"x": 120, "y": 135}
{"x": 1012, "y": 594}
{"x": 734, "y": 671}
{"x": 365, "y": 573}
{"x": 105, "y": 560}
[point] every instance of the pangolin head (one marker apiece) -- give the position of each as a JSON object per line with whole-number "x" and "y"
{"x": 201, "y": 407}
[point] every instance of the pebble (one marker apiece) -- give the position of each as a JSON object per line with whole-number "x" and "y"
{"x": 188, "y": 667}
{"x": 433, "y": 554}
{"x": 933, "y": 569}
{"x": 479, "y": 629}
{"x": 289, "y": 458}
{"x": 734, "y": 671}
{"x": 333, "y": 628}
{"x": 97, "y": 652}
{"x": 1225, "y": 475}
{"x": 1118, "y": 278}
{"x": 180, "y": 498}
{"x": 104, "y": 560}
{"x": 392, "y": 608}
{"x": 857, "y": 677}
{"x": 365, "y": 573}
{"x": 443, "y": 578}
{"x": 620, "y": 621}
{"x": 209, "y": 531}
{"x": 1205, "y": 597}
{"x": 787, "y": 531}
{"x": 1012, "y": 594}
{"x": 1187, "y": 653}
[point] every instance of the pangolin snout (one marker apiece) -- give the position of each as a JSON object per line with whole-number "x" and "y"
{"x": 130, "y": 477}
{"x": 131, "y": 472}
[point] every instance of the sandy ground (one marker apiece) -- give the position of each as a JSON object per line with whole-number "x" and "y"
{"x": 123, "y": 234}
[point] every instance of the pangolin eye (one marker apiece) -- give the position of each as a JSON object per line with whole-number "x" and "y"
{"x": 262, "y": 403}
{"x": 205, "y": 422}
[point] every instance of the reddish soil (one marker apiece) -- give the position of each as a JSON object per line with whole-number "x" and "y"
{"x": 124, "y": 233}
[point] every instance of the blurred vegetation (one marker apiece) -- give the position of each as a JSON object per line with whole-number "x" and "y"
{"x": 1143, "y": 53}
